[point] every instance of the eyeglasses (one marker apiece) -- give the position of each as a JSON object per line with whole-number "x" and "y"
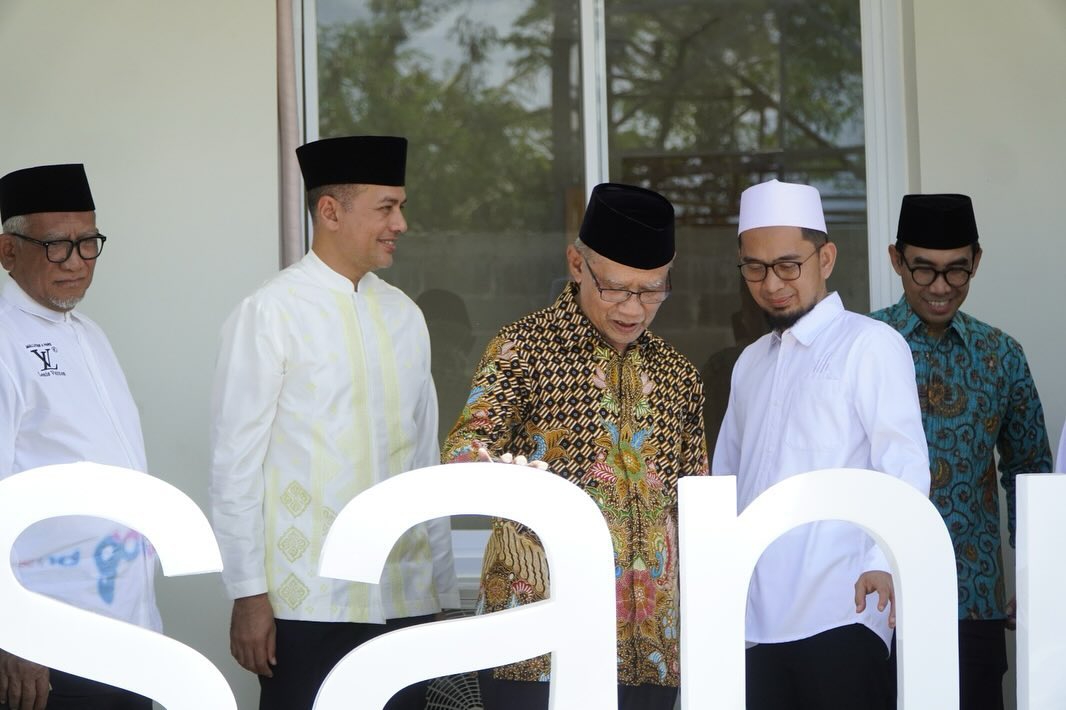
{"x": 59, "y": 250}
{"x": 621, "y": 295}
{"x": 925, "y": 275}
{"x": 756, "y": 271}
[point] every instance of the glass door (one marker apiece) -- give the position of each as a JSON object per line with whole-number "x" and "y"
{"x": 698, "y": 99}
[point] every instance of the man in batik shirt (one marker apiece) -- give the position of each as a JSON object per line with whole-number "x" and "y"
{"x": 583, "y": 386}
{"x": 977, "y": 396}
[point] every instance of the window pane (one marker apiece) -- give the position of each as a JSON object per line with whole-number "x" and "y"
{"x": 488, "y": 93}
{"x": 705, "y": 98}
{"x": 708, "y": 97}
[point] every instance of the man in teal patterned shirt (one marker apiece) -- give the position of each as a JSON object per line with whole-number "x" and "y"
{"x": 977, "y": 397}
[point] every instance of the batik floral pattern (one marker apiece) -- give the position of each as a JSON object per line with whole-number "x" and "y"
{"x": 977, "y": 397}
{"x": 624, "y": 427}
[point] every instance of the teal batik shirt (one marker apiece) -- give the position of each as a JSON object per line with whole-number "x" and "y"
{"x": 977, "y": 396}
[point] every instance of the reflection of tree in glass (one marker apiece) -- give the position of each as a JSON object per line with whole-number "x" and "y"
{"x": 707, "y": 98}
{"x": 734, "y": 76}
{"x": 473, "y": 98}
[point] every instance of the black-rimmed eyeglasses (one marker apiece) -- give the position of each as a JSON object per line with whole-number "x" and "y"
{"x": 621, "y": 295}
{"x": 59, "y": 250}
{"x": 756, "y": 271}
{"x": 955, "y": 276}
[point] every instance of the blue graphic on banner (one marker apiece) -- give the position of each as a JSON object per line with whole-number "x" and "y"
{"x": 109, "y": 555}
{"x": 70, "y": 560}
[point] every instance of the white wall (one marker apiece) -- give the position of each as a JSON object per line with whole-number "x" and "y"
{"x": 171, "y": 106}
{"x": 991, "y": 110}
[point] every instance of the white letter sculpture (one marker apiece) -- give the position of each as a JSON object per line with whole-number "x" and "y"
{"x": 576, "y": 624}
{"x": 1041, "y": 579}
{"x": 719, "y": 549}
{"x": 86, "y": 644}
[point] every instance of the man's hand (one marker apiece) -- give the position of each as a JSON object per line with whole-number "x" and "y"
{"x": 880, "y": 582}
{"x": 1012, "y": 614}
{"x": 23, "y": 684}
{"x": 484, "y": 455}
{"x": 251, "y": 634}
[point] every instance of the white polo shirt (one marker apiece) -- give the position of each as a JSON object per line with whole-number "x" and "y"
{"x": 64, "y": 399}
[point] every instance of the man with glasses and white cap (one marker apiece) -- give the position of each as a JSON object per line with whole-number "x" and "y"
{"x": 977, "y": 398}
{"x": 826, "y": 388}
{"x": 585, "y": 387}
{"x": 63, "y": 399}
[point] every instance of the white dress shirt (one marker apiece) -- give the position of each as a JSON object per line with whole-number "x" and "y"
{"x": 322, "y": 390}
{"x": 836, "y": 390}
{"x": 64, "y": 399}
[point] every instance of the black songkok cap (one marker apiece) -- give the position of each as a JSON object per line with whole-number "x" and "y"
{"x": 45, "y": 188}
{"x": 354, "y": 160}
{"x": 937, "y": 221}
{"x": 629, "y": 225}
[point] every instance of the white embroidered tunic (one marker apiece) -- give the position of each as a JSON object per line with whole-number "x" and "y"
{"x": 322, "y": 390}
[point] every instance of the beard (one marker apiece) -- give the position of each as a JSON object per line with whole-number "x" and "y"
{"x": 780, "y": 322}
{"x": 65, "y": 304}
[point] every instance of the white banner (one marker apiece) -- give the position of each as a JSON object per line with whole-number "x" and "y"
{"x": 718, "y": 552}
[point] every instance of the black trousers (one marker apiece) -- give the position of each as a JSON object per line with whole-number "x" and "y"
{"x": 531, "y": 695}
{"x": 982, "y": 663}
{"x": 308, "y": 650}
{"x": 846, "y": 668}
{"x": 69, "y": 692}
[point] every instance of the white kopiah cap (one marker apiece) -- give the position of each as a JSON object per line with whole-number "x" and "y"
{"x": 781, "y": 204}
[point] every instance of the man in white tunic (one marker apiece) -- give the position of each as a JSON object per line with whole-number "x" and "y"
{"x": 826, "y": 388}
{"x": 323, "y": 389}
{"x": 63, "y": 399}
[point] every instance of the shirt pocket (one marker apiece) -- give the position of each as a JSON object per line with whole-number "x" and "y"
{"x": 819, "y": 418}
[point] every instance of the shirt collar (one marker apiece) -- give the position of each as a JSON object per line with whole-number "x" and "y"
{"x": 322, "y": 274}
{"x": 13, "y": 294}
{"x": 577, "y": 327}
{"x": 913, "y": 326}
{"x": 807, "y": 328}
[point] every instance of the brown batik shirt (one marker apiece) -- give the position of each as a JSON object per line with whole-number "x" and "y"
{"x": 622, "y": 427}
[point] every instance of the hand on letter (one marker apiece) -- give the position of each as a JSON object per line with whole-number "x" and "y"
{"x": 484, "y": 455}
{"x": 23, "y": 684}
{"x": 251, "y": 634}
{"x": 880, "y": 582}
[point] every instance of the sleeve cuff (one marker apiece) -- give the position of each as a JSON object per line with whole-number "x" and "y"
{"x": 246, "y": 588}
